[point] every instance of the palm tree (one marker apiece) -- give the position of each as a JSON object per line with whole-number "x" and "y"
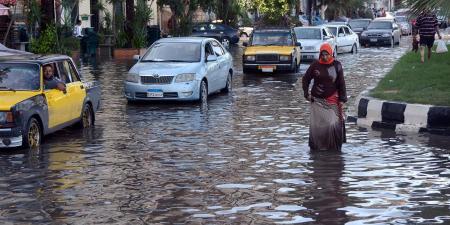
{"x": 417, "y": 6}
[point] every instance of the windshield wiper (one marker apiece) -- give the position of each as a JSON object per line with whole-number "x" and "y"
{"x": 7, "y": 88}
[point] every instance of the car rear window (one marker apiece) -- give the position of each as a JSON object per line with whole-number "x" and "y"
{"x": 308, "y": 33}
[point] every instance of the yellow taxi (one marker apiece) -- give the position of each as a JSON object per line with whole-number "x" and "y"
{"x": 271, "y": 50}
{"x": 29, "y": 110}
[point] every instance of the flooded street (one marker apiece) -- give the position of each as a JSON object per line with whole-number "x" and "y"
{"x": 242, "y": 160}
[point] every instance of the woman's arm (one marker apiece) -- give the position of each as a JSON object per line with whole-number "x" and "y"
{"x": 306, "y": 80}
{"x": 340, "y": 84}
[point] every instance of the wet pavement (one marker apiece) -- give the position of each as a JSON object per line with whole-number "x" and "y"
{"x": 243, "y": 159}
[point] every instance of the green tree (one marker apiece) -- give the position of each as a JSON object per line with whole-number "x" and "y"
{"x": 417, "y": 6}
{"x": 274, "y": 10}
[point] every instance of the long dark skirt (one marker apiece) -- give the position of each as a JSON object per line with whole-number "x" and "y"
{"x": 326, "y": 129}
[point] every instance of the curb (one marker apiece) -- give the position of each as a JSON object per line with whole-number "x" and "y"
{"x": 401, "y": 117}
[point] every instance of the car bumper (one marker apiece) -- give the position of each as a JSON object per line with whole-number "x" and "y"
{"x": 310, "y": 56}
{"x": 276, "y": 66}
{"x": 10, "y": 138}
{"x": 176, "y": 91}
{"x": 375, "y": 40}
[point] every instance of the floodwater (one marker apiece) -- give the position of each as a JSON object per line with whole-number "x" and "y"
{"x": 243, "y": 159}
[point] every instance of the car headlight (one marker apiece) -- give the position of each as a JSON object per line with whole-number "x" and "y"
{"x": 250, "y": 58}
{"x": 285, "y": 57}
{"x": 132, "y": 77}
{"x": 386, "y": 35}
{"x": 185, "y": 77}
{"x": 6, "y": 117}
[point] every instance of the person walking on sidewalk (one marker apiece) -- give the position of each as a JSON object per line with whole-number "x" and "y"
{"x": 427, "y": 24}
{"x": 328, "y": 94}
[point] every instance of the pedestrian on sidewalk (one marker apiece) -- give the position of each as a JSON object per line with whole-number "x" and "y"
{"x": 427, "y": 24}
{"x": 327, "y": 97}
{"x": 77, "y": 30}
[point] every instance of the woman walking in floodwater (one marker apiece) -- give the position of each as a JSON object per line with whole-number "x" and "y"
{"x": 328, "y": 94}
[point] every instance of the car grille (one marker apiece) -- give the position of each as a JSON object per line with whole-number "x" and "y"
{"x": 154, "y": 80}
{"x": 267, "y": 58}
{"x": 374, "y": 35}
{"x": 166, "y": 94}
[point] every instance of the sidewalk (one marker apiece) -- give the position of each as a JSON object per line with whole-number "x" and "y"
{"x": 402, "y": 116}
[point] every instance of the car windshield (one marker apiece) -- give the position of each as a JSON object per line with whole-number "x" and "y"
{"x": 401, "y": 19}
{"x": 359, "y": 24}
{"x": 308, "y": 33}
{"x": 380, "y": 25}
{"x": 173, "y": 52}
{"x": 281, "y": 38}
{"x": 333, "y": 30}
{"x": 19, "y": 77}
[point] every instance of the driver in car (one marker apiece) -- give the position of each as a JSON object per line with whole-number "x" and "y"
{"x": 50, "y": 81}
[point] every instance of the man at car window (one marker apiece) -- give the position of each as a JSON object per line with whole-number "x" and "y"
{"x": 50, "y": 81}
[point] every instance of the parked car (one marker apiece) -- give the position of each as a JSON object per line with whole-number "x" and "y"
{"x": 403, "y": 23}
{"x": 381, "y": 32}
{"x": 271, "y": 50}
{"x": 187, "y": 69}
{"x": 311, "y": 38}
{"x": 28, "y": 111}
{"x": 346, "y": 39}
{"x": 442, "y": 21}
{"x": 359, "y": 25}
{"x": 221, "y": 32}
{"x": 245, "y": 32}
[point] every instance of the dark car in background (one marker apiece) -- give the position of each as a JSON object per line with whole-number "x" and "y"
{"x": 381, "y": 32}
{"x": 359, "y": 25}
{"x": 221, "y": 32}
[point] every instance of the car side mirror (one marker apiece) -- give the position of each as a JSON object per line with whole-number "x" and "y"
{"x": 211, "y": 58}
{"x": 136, "y": 58}
{"x": 245, "y": 44}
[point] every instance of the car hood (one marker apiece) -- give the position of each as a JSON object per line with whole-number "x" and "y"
{"x": 358, "y": 29}
{"x": 310, "y": 42}
{"x": 11, "y": 98}
{"x": 282, "y": 50}
{"x": 168, "y": 68}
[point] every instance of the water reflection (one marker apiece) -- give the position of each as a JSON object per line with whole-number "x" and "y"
{"x": 242, "y": 159}
{"x": 328, "y": 194}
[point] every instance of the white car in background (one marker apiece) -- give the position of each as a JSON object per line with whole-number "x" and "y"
{"x": 245, "y": 32}
{"x": 346, "y": 39}
{"x": 311, "y": 38}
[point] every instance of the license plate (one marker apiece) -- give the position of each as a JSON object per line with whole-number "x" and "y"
{"x": 267, "y": 69}
{"x": 155, "y": 93}
{"x": 373, "y": 40}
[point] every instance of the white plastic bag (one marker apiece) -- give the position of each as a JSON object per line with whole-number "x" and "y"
{"x": 441, "y": 47}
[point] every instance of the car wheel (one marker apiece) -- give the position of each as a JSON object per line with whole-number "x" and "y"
{"x": 226, "y": 41}
{"x": 33, "y": 136}
{"x": 87, "y": 117}
{"x": 244, "y": 70}
{"x": 354, "y": 49}
{"x": 203, "y": 95}
{"x": 229, "y": 84}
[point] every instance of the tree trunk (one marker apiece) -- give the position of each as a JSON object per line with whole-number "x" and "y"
{"x": 129, "y": 10}
{"x": 48, "y": 13}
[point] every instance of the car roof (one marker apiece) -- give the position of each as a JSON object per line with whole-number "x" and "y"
{"x": 311, "y": 27}
{"x": 260, "y": 30}
{"x": 383, "y": 20}
{"x": 335, "y": 25}
{"x": 33, "y": 58}
{"x": 362, "y": 19}
{"x": 184, "y": 39}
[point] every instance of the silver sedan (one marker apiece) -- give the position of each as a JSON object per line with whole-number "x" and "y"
{"x": 186, "y": 68}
